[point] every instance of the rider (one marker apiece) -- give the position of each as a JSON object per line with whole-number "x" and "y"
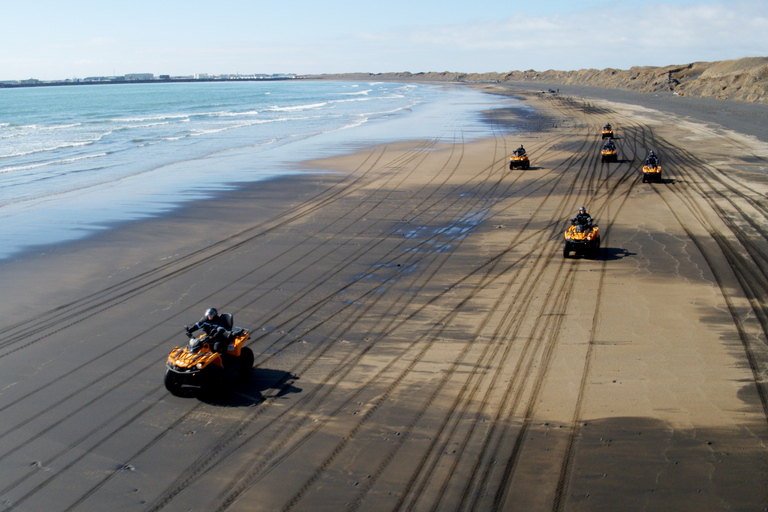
{"x": 582, "y": 218}
{"x": 520, "y": 151}
{"x": 607, "y": 126}
{"x": 214, "y": 326}
{"x": 652, "y": 160}
{"x": 610, "y": 144}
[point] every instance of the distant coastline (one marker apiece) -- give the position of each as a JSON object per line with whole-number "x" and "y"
{"x": 12, "y": 84}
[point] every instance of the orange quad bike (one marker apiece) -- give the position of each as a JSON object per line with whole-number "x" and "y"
{"x": 608, "y": 133}
{"x": 609, "y": 154}
{"x": 581, "y": 239}
{"x": 652, "y": 172}
{"x": 200, "y": 366}
{"x": 519, "y": 161}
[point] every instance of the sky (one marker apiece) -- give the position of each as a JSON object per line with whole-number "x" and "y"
{"x": 50, "y": 40}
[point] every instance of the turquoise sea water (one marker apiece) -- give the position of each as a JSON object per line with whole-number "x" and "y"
{"x": 77, "y": 159}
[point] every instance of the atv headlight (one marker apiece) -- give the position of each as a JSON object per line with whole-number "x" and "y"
{"x": 199, "y": 366}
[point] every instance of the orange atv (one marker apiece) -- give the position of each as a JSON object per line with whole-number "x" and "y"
{"x": 607, "y": 132}
{"x": 609, "y": 154}
{"x": 581, "y": 239}
{"x": 199, "y": 365}
{"x": 651, "y": 172}
{"x": 519, "y": 161}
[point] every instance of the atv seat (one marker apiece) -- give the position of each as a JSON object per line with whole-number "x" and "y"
{"x": 228, "y": 321}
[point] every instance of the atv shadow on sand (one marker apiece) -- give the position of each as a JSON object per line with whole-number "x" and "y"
{"x": 615, "y": 253}
{"x": 247, "y": 391}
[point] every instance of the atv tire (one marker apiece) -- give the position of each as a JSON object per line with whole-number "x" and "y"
{"x": 566, "y": 249}
{"x": 526, "y": 165}
{"x": 245, "y": 362}
{"x": 173, "y": 382}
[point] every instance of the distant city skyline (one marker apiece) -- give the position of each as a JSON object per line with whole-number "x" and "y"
{"x": 52, "y": 41}
{"x": 144, "y": 78}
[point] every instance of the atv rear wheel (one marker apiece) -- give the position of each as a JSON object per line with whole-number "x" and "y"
{"x": 245, "y": 362}
{"x": 173, "y": 382}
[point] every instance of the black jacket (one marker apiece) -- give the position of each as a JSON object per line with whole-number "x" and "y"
{"x": 214, "y": 326}
{"x": 582, "y": 218}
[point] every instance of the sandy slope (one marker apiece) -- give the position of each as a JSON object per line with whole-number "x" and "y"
{"x": 421, "y": 343}
{"x": 743, "y": 79}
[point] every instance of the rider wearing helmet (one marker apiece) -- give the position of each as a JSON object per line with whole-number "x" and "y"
{"x": 652, "y": 160}
{"x": 520, "y": 151}
{"x": 214, "y": 326}
{"x": 582, "y": 218}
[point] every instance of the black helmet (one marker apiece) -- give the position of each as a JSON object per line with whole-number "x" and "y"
{"x": 651, "y": 152}
{"x": 211, "y": 312}
{"x": 582, "y": 209}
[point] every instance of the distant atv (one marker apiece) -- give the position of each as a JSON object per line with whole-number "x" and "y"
{"x": 609, "y": 154}
{"x": 581, "y": 239}
{"x": 519, "y": 161}
{"x": 200, "y": 366}
{"x": 607, "y": 132}
{"x": 652, "y": 172}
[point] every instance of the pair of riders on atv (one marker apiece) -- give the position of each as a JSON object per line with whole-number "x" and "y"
{"x": 217, "y": 327}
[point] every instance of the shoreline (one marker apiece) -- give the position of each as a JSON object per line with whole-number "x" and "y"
{"x": 59, "y": 209}
{"x": 420, "y": 340}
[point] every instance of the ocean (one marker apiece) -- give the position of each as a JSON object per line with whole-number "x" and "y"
{"x": 78, "y": 159}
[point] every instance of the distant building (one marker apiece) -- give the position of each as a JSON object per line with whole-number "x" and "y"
{"x": 139, "y": 76}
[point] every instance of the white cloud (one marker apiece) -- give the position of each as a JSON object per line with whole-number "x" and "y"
{"x": 610, "y": 37}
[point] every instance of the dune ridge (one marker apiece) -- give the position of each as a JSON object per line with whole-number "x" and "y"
{"x": 743, "y": 79}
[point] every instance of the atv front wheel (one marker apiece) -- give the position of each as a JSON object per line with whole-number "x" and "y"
{"x": 566, "y": 249}
{"x": 173, "y": 382}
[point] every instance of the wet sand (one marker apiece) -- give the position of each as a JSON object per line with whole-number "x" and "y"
{"x": 421, "y": 342}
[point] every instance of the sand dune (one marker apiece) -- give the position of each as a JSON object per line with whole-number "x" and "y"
{"x": 742, "y": 80}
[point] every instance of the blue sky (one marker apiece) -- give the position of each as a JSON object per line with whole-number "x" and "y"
{"x": 56, "y": 40}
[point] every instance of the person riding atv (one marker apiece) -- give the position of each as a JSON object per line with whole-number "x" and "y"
{"x": 609, "y": 152}
{"x": 607, "y": 131}
{"x": 212, "y": 359}
{"x": 519, "y": 159}
{"x": 652, "y": 168}
{"x": 582, "y": 218}
{"x": 216, "y": 327}
{"x": 582, "y": 237}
